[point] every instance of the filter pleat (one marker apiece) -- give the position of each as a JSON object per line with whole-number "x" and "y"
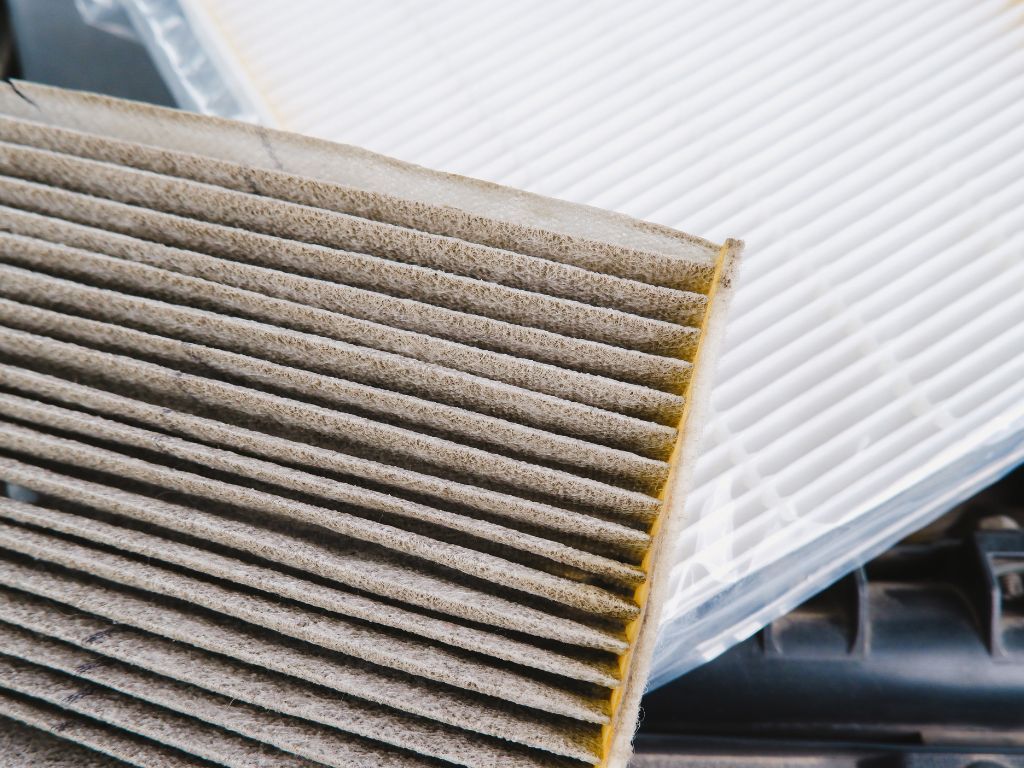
{"x": 167, "y": 273}
{"x": 92, "y": 734}
{"x": 231, "y": 243}
{"x": 102, "y": 645}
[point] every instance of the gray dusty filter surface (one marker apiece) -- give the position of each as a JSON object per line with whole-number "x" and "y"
{"x": 315, "y": 457}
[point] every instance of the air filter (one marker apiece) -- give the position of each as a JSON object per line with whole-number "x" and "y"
{"x": 319, "y": 456}
{"x": 873, "y": 151}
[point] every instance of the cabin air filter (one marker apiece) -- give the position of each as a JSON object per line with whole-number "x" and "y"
{"x": 873, "y": 151}
{"x": 320, "y": 456}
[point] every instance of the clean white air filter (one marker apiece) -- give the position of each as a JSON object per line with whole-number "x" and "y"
{"x": 872, "y": 153}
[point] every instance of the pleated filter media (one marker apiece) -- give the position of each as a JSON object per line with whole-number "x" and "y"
{"x": 871, "y": 154}
{"x": 314, "y": 456}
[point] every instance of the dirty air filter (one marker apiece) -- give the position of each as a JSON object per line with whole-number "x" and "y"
{"x": 319, "y": 455}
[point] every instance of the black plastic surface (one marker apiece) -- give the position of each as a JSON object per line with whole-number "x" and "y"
{"x": 918, "y": 656}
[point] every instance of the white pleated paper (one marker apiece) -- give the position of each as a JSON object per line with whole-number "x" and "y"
{"x": 870, "y": 153}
